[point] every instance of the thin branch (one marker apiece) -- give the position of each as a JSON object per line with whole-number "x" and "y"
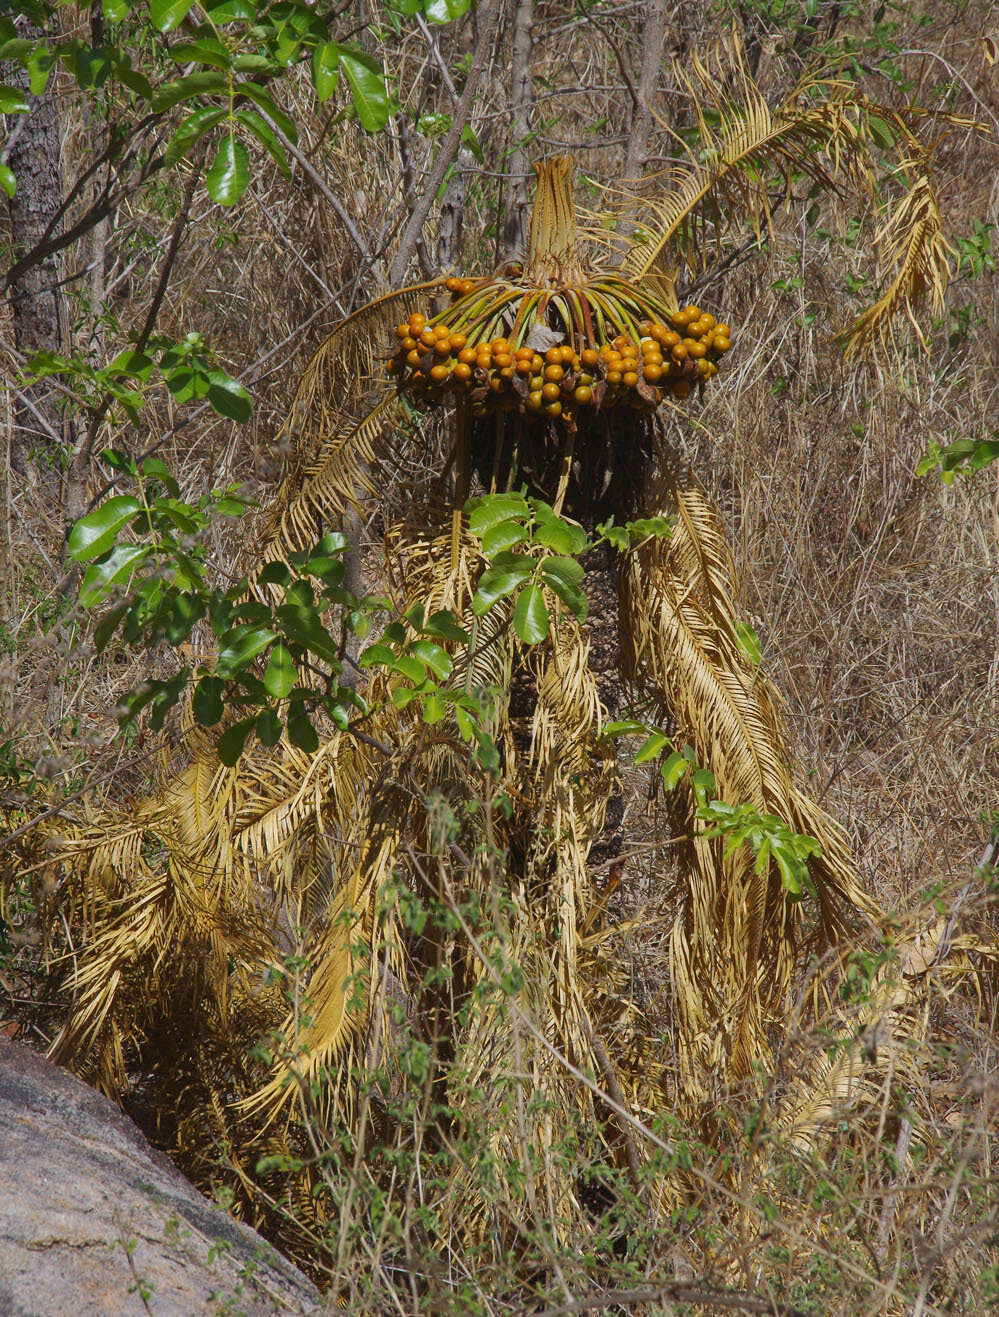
{"x": 487, "y": 16}
{"x": 319, "y": 182}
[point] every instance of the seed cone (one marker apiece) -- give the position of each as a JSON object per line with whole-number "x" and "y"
{"x": 552, "y": 337}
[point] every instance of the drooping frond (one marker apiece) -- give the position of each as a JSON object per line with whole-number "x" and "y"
{"x": 734, "y": 946}
{"x": 342, "y": 476}
{"x": 912, "y": 243}
{"x": 343, "y": 384}
{"x": 740, "y": 155}
{"x": 747, "y": 153}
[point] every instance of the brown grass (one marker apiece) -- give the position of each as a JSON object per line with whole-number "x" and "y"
{"x": 875, "y": 594}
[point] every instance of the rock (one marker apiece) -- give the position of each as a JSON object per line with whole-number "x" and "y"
{"x": 94, "y": 1220}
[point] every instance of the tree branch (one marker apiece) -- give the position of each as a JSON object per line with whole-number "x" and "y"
{"x": 487, "y": 15}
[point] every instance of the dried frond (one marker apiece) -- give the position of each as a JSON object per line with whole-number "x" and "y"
{"x": 736, "y": 943}
{"x": 742, "y": 170}
{"x": 913, "y": 244}
{"x": 334, "y": 392}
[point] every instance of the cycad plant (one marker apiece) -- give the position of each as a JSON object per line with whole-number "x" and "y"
{"x": 419, "y": 884}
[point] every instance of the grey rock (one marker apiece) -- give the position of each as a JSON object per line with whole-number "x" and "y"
{"x": 94, "y": 1220}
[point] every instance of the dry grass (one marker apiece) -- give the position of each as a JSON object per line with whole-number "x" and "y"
{"x": 875, "y": 594}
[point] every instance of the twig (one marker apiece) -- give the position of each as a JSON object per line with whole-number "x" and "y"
{"x": 320, "y": 184}
{"x": 487, "y": 17}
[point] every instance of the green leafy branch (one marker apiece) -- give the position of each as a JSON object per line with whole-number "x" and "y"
{"x": 767, "y": 835}
{"x": 278, "y": 662}
{"x": 532, "y": 549}
{"x": 962, "y": 458}
{"x": 186, "y": 368}
{"x": 233, "y": 52}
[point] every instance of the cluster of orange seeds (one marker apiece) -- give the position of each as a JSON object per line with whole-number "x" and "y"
{"x": 434, "y": 362}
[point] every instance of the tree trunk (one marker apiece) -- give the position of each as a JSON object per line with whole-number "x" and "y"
{"x": 521, "y": 100}
{"x": 653, "y": 35}
{"x": 34, "y": 159}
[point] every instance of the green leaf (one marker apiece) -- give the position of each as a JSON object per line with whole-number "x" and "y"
{"x": 881, "y": 133}
{"x": 207, "y": 704}
{"x": 266, "y": 136}
{"x": 230, "y": 11}
{"x": 281, "y": 673}
{"x": 652, "y": 747}
{"x": 326, "y": 70}
{"x": 411, "y": 668}
{"x": 226, "y": 396}
{"x": 703, "y": 783}
{"x": 562, "y": 537}
{"x": 377, "y": 655}
{"x": 265, "y": 101}
{"x": 131, "y": 78}
{"x": 625, "y": 727}
{"x": 493, "y": 508}
{"x": 437, "y": 660}
{"x": 434, "y": 708}
{"x": 182, "y": 89}
{"x": 497, "y": 583}
{"x": 108, "y": 625}
{"x": 255, "y": 63}
{"x": 469, "y": 139}
{"x": 573, "y": 598}
{"x": 229, "y": 176}
{"x": 95, "y": 533}
{"x": 207, "y": 50}
{"x": 154, "y": 469}
{"x": 563, "y": 575}
{"x": 530, "y": 615}
{"x": 168, "y": 14}
{"x": 115, "y": 567}
{"x": 791, "y": 870}
{"x": 115, "y": 11}
{"x": 749, "y": 642}
{"x": 445, "y": 625}
{"x": 241, "y": 645}
{"x": 191, "y": 131}
{"x": 445, "y": 11}
{"x": 275, "y": 573}
{"x": 40, "y": 64}
{"x": 673, "y": 770}
{"x": 230, "y": 744}
{"x": 367, "y": 87}
{"x": 269, "y": 727}
{"x": 13, "y": 101}
{"x": 303, "y": 626}
{"x": 497, "y": 539}
{"x": 650, "y": 527}
{"x": 7, "y": 180}
{"x": 301, "y": 733}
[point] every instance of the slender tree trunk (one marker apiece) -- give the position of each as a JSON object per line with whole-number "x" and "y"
{"x": 34, "y": 159}
{"x": 653, "y": 35}
{"x": 451, "y": 229}
{"x": 486, "y": 16}
{"x": 521, "y": 101}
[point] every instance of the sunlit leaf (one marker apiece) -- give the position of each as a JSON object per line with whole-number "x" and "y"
{"x": 95, "y": 533}
{"x": 367, "y": 87}
{"x": 229, "y": 176}
{"x": 530, "y": 615}
{"x": 281, "y": 673}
